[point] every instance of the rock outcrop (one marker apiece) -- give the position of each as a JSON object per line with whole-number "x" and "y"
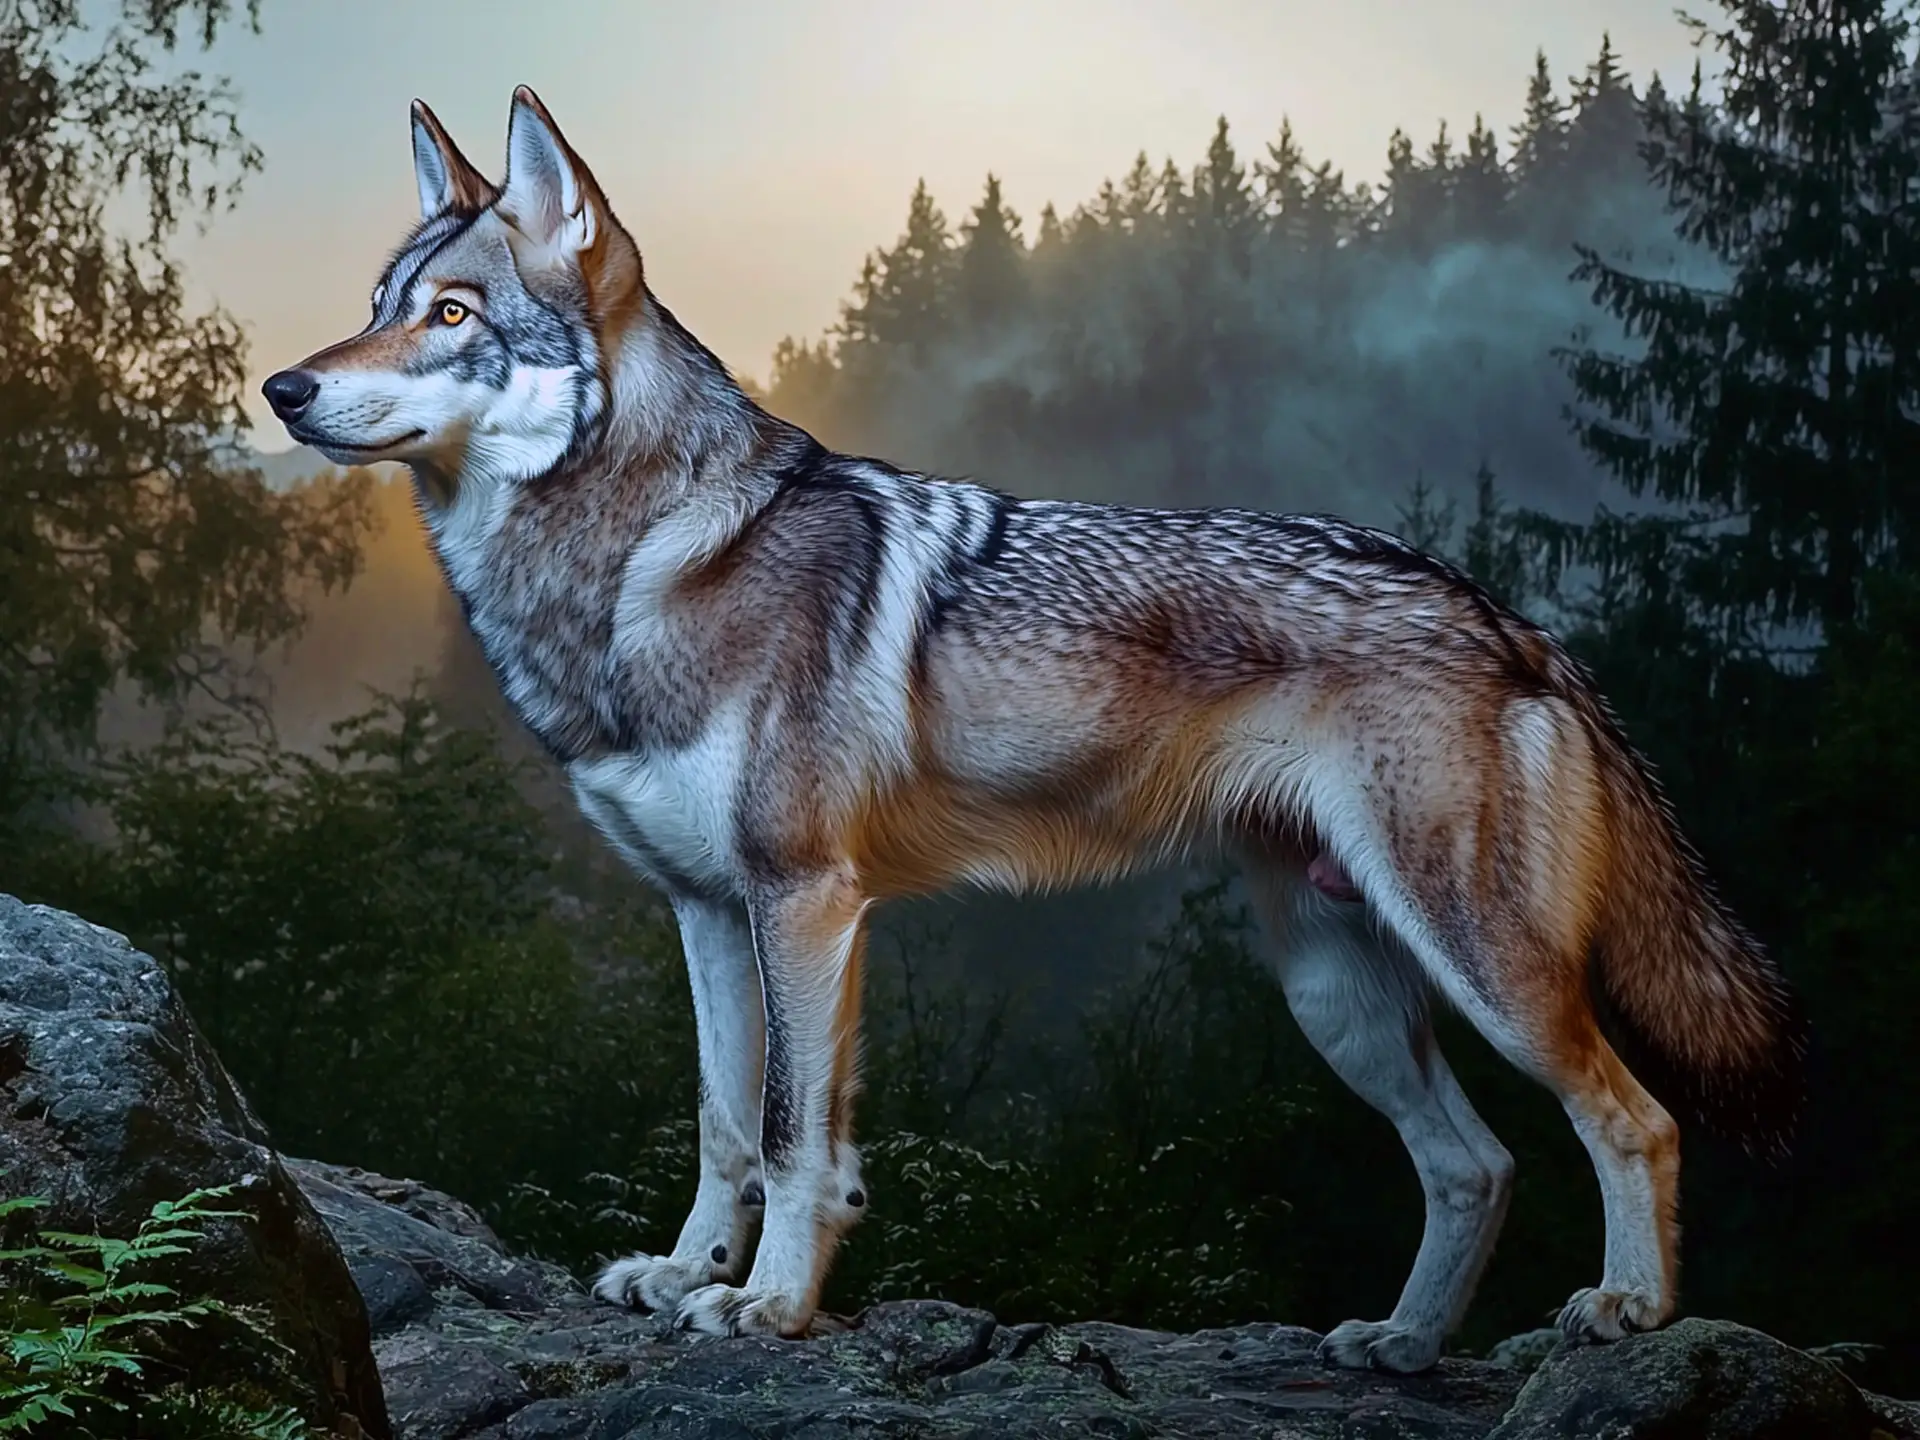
{"x": 110, "y": 1100}
{"x": 472, "y": 1344}
{"x": 475, "y": 1345}
{"x": 1704, "y": 1379}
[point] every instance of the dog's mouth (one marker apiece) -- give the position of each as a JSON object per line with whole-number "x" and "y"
{"x": 328, "y": 445}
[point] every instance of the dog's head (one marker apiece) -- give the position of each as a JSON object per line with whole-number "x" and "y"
{"x": 495, "y": 326}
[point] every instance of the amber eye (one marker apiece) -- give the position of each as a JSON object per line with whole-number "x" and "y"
{"x": 452, "y": 312}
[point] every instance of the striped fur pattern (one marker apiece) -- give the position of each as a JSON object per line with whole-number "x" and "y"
{"x": 788, "y": 684}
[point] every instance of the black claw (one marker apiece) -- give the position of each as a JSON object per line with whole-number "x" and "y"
{"x": 856, "y": 1198}
{"x": 719, "y": 1254}
{"x": 753, "y": 1194}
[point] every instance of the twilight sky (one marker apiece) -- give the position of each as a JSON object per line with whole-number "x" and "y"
{"x": 759, "y": 148}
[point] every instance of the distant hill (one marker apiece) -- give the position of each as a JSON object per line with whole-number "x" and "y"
{"x": 284, "y": 468}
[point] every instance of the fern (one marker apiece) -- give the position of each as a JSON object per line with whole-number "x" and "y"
{"x": 72, "y": 1311}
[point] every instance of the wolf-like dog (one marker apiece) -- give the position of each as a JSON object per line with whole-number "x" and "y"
{"x": 787, "y": 683}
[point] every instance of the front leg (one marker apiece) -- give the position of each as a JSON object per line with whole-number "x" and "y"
{"x": 713, "y": 1242}
{"x": 807, "y": 937}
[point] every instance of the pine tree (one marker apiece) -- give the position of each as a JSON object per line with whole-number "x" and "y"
{"x": 1052, "y": 233}
{"x": 1333, "y": 211}
{"x": 1173, "y": 203}
{"x": 1284, "y": 183}
{"x": 989, "y": 280}
{"x": 1399, "y": 199}
{"x": 1226, "y": 215}
{"x": 802, "y": 382}
{"x": 1757, "y": 629}
{"x": 1784, "y": 407}
{"x": 1308, "y": 208}
{"x": 1604, "y": 132}
{"x": 1539, "y": 141}
{"x": 860, "y": 322}
{"x": 1480, "y": 185}
{"x": 1604, "y": 76}
{"x": 1437, "y": 173}
{"x": 904, "y": 295}
{"x": 1139, "y": 191}
{"x": 1418, "y": 197}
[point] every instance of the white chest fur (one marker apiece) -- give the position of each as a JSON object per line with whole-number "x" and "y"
{"x": 669, "y": 814}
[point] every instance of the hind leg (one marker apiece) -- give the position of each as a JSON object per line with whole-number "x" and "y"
{"x": 1363, "y": 1006}
{"x": 1635, "y": 1147}
{"x": 1522, "y": 980}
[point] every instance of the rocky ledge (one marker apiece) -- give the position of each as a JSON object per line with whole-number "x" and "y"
{"x": 398, "y": 1311}
{"x": 473, "y": 1343}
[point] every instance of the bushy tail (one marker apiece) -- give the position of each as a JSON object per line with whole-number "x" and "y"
{"x": 1713, "y": 1027}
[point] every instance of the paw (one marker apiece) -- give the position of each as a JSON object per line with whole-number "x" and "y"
{"x": 654, "y": 1282}
{"x": 1379, "y": 1345}
{"x": 727, "y": 1310}
{"x": 1594, "y": 1316}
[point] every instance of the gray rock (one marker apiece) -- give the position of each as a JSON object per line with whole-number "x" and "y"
{"x": 404, "y": 1242}
{"x": 515, "y": 1350}
{"x": 1526, "y": 1351}
{"x": 1703, "y": 1379}
{"x": 1899, "y": 1418}
{"x": 110, "y": 1100}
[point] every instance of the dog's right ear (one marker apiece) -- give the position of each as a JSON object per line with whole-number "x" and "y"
{"x": 446, "y": 180}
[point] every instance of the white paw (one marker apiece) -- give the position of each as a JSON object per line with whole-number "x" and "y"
{"x": 1598, "y": 1315}
{"x": 728, "y": 1310}
{"x": 1379, "y": 1345}
{"x": 654, "y": 1282}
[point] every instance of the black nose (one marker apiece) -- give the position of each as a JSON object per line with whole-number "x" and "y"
{"x": 290, "y": 392}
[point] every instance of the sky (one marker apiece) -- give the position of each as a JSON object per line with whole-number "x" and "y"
{"x": 758, "y": 149}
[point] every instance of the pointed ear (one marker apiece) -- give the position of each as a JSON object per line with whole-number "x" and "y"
{"x": 446, "y": 180}
{"x": 561, "y": 215}
{"x": 549, "y": 196}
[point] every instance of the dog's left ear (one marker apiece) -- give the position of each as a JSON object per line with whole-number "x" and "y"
{"x": 549, "y": 197}
{"x": 552, "y": 201}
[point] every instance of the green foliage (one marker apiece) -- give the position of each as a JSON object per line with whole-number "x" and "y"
{"x": 75, "y": 1311}
{"x": 369, "y": 939}
{"x": 134, "y": 544}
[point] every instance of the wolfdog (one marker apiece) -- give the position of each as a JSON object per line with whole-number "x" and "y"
{"x": 787, "y": 683}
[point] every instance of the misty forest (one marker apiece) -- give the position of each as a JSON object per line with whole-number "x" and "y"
{"x": 1643, "y": 358}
